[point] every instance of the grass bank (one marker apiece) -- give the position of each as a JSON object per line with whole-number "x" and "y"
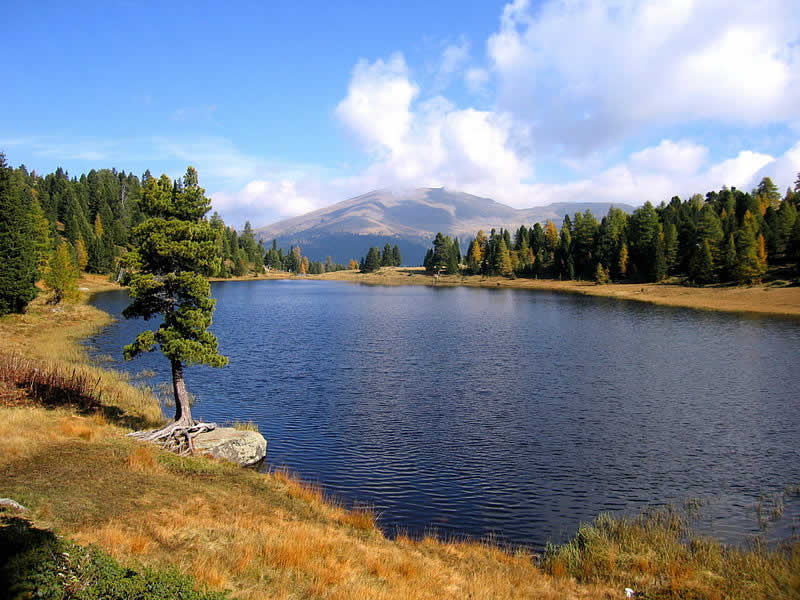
{"x": 772, "y": 299}
{"x": 64, "y": 455}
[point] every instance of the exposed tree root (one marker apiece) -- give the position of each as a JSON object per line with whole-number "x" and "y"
{"x": 176, "y": 437}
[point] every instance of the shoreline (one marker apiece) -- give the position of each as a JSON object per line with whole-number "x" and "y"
{"x": 86, "y": 480}
{"x": 763, "y": 300}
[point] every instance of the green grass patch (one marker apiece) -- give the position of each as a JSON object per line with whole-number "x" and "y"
{"x": 35, "y": 563}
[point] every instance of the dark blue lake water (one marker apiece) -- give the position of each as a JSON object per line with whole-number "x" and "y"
{"x": 504, "y": 412}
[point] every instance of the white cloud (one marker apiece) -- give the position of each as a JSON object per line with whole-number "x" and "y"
{"x": 376, "y": 108}
{"x": 632, "y": 64}
{"x": 660, "y": 172}
{"x": 454, "y": 58}
{"x": 430, "y": 143}
{"x": 477, "y": 80}
{"x": 261, "y": 201}
{"x": 682, "y": 158}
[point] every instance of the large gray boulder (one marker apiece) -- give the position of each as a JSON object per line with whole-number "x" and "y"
{"x": 242, "y": 447}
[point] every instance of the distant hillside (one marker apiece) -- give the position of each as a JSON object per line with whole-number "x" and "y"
{"x": 409, "y": 219}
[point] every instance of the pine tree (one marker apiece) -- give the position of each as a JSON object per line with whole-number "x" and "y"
{"x": 566, "y": 266}
{"x": 175, "y": 248}
{"x": 701, "y": 266}
{"x": 61, "y": 275}
{"x": 386, "y": 257}
{"x": 373, "y": 261}
{"x": 729, "y": 260}
{"x": 442, "y": 257}
{"x": 453, "y": 258}
{"x": 18, "y": 265}
{"x": 397, "y": 260}
{"x": 644, "y": 232}
{"x": 42, "y": 241}
{"x": 793, "y": 244}
{"x": 670, "y": 247}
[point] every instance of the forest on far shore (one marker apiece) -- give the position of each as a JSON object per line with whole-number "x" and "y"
{"x": 726, "y": 236}
{"x": 55, "y": 226}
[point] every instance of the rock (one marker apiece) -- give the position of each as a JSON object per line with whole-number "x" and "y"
{"x": 9, "y": 503}
{"x": 241, "y": 447}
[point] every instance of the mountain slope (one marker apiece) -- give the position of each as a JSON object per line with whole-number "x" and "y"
{"x": 409, "y": 219}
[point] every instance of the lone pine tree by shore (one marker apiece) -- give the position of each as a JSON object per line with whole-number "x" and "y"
{"x": 175, "y": 250}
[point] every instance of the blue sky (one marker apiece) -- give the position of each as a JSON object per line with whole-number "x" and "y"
{"x": 286, "y": 107}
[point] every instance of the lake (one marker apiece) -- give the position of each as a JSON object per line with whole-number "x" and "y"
{"x": 507, "y": 413}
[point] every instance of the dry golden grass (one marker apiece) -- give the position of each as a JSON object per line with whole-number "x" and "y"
{"x": 40, "y": 350}
{"x": 764, "y": 299}
{"x": 650, "y": 553}
{"x": 259, "y": 535}
{"x": 272, "y": 536}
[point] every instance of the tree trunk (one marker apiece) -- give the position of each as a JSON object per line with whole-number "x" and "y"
{"x": 183, "y": 412}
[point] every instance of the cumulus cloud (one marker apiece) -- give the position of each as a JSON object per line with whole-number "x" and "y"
{"x": 261, "y": 201}
{"x": 430, "y": 143}
{"x": 588, "y": 72}
{"x": 376, "y": 108}
{"x": 659, "y": 172}
{"x": 570, "y": 81}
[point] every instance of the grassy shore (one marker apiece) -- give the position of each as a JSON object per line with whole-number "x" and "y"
{"x": 775, "y": 299}
{"x": 64, "y": 455}
{"x": 779, "y": 298}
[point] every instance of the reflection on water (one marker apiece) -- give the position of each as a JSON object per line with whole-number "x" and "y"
{"x": 519, "y": 414}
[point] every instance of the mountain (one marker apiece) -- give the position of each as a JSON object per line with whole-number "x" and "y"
{"x": 409, "y": 219}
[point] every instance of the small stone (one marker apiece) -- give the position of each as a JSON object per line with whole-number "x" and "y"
{"x": 244, "y": 448}
{"x": 9, "y": 503}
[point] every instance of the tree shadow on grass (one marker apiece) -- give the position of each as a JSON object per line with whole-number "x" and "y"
{"x": 35, "y": 563}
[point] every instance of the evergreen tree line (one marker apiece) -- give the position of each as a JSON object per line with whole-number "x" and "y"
{"x": 728, "y": 236}
{"x": 54, "y": 226}
{"x": 374, "y": 260}
{"x": 293, "y": 261}
{"x": 445, "y": 256}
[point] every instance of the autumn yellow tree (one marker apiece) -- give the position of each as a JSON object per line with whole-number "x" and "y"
{"x": 477, "y": 252}
{"x": 551, "y": 237}
{"x": 503, "y": 259}
{"x": 761, "y": 251}
{"x": 81, "y": 255}
{"x": 622, "y": 264}
{"x": 353, "y": 264}
{"x": 61, "y": 275}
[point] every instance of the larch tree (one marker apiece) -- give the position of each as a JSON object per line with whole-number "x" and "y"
{"x": 622, "y": 262}
{"x": 749, "y": 268}
{"x": 503, "y": 259}
{"x": 61, "y": 274}
{"x": 175, "y": 249}
{"x": 476, "y": 252}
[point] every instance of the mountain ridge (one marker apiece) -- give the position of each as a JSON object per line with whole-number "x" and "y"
{"x": 409, "y": 218}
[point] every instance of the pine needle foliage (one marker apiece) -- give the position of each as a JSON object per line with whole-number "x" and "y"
{"x": 175, "y": 249}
